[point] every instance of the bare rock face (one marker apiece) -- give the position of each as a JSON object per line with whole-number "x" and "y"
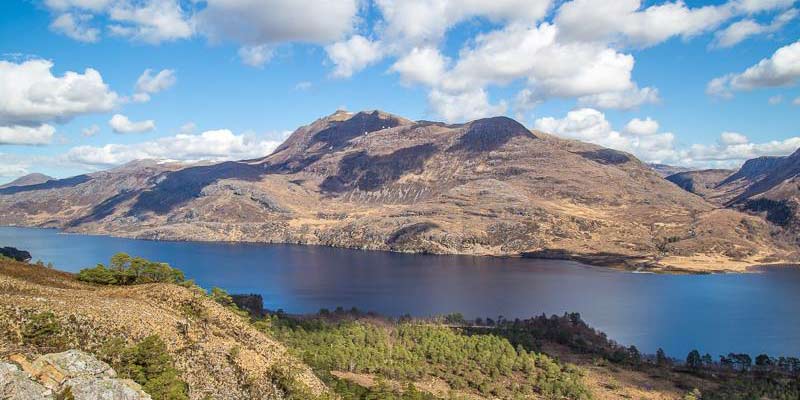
{"x": 60, "y": 375}
{"x": 16, "y": 384}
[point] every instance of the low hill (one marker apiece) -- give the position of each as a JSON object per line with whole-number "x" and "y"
{"x": 30, "y": 179}
{"x": 372, "y": 180}
{"x": 218, "y": 353}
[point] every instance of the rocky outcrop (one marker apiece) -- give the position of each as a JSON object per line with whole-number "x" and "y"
{"x": 15, "y": 254}
{"x": 72, "y": 374}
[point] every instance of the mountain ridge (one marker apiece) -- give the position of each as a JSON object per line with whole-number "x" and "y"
{"x": 375, "y": 181}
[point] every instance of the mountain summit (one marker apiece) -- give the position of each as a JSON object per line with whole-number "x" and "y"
{"x": 373, "y": 180}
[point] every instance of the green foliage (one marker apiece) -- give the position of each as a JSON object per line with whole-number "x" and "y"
{"x": 126, "y": 270}
{"x": 483, "y": 363}
{"x": 222, "y": 297}
{"x": 149, "y": 364}
{"x": 44, "y": 331}
{"x": 755, "y": 388}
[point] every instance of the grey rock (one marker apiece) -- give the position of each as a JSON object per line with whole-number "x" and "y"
{"x": 17, "y": 385}
{"x": 90, "y": 388}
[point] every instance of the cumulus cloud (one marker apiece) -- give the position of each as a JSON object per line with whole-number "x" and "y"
{"x": 741, "y": 30}
{"x": 781, "y": 69}
{"x": 640, "y": 137}
{"x": 152, "y": 21}
{"x": 26, "y": 135}
{"x": 148, "y": 21}
{"x": 422, "y": 23}
{"x": 622, "y": 100}
{"x": 422, "y": 65}
{"x": 302, "y": 86}
{"x": 149, "y": 84}
{"x": 643, "y": 138}
{"x": 256, "y": 22}
{"x": 642, "y": 127}
{"x": 353, "y": 55}
{"x": 215, "y": 145}
{"x": 735, "y": 148}
{"x": 626, "y": 21}
{"x": 75, "y": 26}
{"x": 464, "y": 106}
{"x": 121, "y": 124}
{"x": 33, "y": 95}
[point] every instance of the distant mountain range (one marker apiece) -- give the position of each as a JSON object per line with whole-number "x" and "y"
{"x": 768, "y": 186}
{"x": 372, "y": 180}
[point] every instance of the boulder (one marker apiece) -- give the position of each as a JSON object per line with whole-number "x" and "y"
{"x": 52, "y": 370}
{"x": 72, "y": 374}
{"x": 90, "y": 388}
{"x": 16, "y": 384}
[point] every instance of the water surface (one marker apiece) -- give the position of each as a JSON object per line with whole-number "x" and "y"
{"x": 754, "y": 313}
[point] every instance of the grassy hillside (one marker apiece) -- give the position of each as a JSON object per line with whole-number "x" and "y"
{"x": 180, "y": 342}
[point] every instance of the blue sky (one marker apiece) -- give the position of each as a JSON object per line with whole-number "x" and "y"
{"x": 697, "y": 83}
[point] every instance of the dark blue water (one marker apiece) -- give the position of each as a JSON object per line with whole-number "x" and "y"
{"x": 754, "y": 313}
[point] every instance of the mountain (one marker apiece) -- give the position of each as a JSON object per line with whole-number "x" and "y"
{"x": 30, "y": 179}
{"x": 373, "y": 180}
{"x": 703, "y": 183}
{"x": 766, "y": 186}
{"x": 666, "y": 170}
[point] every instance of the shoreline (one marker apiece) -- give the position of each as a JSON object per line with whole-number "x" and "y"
{"x": 616, "y": 262}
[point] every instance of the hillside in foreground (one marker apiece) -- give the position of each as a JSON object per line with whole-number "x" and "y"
{"x": 174, "y": 341}
{"x": 376, "y": 181}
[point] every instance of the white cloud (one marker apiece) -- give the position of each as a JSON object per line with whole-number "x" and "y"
{"x": 754, "y": 6}
{"x": 256, "y": 22}
{"x": 121, "y": 124}
{"x": 148, "y": 83}
{"x": 90, "y": 131}
{"x": 62, "y": 5}
{"x": 26, "y": 135}
{"x": 256, "y": 56}
{"x": 599, "y": 75}
{"x": 464, "y": 106}
{"x": 796, "y": 101}
{"x": 425, "y": 65}
{"x": 781, "y": 69}
{"x": 622, "y": 100}
{"x": 215, "y": 145}
{"x": 75, "y": 26}
{"x": 353, "y": 55}
{"x": 423, "y": 23}
{"x": 627, "y": 22}
{"x": 642, "y": 127}
{"x": 641, "y": 137}
{"x": 31, "y": 94}
{"x": 732, "y": 138}
{"x": 734, "y": 148}
{"x": 741, "y": 30}
{"x": 151, "y": 21}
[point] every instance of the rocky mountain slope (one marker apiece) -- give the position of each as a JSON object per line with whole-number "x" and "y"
{"x": 372, "y": 180}
{"x": 218, "y": 353}
{"x": 30, "y": 179}
{"x": 766, "y": 186}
